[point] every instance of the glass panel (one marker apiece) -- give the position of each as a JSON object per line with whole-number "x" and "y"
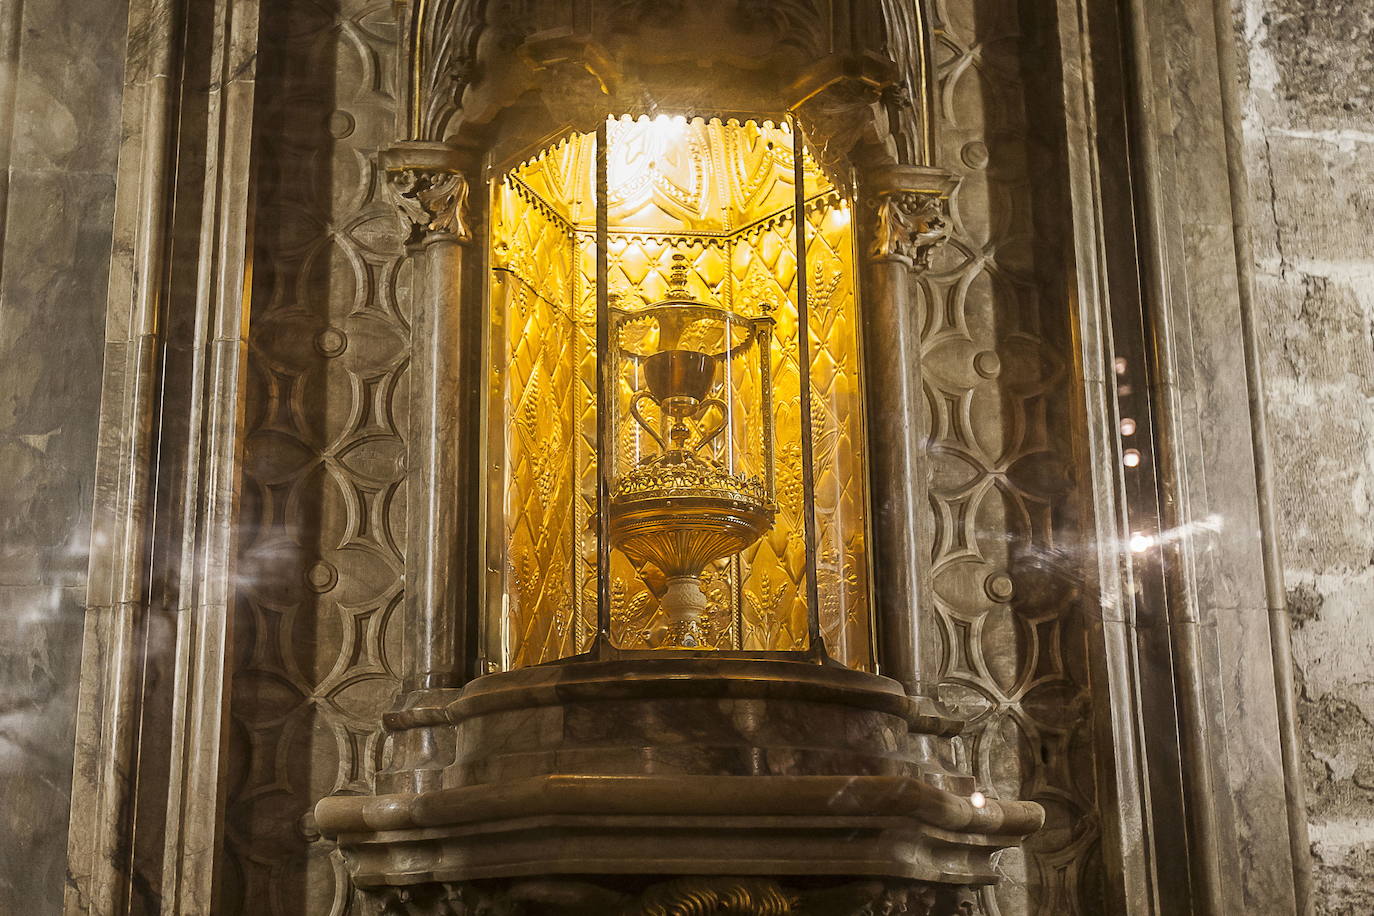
{"x": 840, "y": 484}
{"x": 540, "y": 348}
{"x": 702, "y": 285}
{"x": 764, "y": 266}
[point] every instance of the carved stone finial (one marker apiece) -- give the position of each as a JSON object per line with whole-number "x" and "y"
{"x": 907, "y": 226}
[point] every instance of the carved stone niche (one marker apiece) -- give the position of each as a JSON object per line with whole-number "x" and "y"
{"x": 677, "y": 781}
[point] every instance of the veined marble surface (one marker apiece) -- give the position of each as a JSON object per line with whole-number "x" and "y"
{"x": 60, "y": 80}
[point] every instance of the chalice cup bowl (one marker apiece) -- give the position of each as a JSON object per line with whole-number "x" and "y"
{"x": 679, "y": 381}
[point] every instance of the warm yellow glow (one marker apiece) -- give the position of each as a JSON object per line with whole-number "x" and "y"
{"x": 721, "y": 194}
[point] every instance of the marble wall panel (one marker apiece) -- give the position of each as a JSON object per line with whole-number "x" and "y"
{"x": 60, "y": 79}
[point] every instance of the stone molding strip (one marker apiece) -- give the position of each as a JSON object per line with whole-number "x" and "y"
{"x": 147, "y": 804}
{"x": 733, "y": 679}
{"x": 668, "y": 796}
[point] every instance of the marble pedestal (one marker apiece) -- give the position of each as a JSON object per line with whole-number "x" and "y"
{"x": 624, "y": 776}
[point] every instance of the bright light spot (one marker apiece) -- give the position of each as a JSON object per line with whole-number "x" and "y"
{"x": 1141, "y": 542}
{"x": 841, "y": 215}
{"x": 664, "y": 128}
{"x": 978, "y": 799}
{"x": 1128, "y": 427}
{"x": 1131, "y": 459}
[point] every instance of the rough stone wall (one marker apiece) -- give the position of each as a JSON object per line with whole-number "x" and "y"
{"x": 1309, "y": 121}
{"x": 61, "y": 68}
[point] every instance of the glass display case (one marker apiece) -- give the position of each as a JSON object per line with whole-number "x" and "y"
{"x": 659, "y": 267}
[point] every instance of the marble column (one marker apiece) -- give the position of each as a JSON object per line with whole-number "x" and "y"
{"x": 432, "y": 191}
{"x": 903, "y": 222}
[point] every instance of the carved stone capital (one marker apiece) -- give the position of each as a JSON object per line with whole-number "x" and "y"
{"x": 908, "y": 214}
{"x": 430, "y": 188}
{"x": 906, "y": 226}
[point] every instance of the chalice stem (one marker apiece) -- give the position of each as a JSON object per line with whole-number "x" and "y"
{"x": 684, "y": 603}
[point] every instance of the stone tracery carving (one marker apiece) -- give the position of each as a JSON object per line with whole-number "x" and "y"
{"x": 454, "y": 43}
{"x": 326, "y": 269}
{"x": 1021, "y": 744}
{"x": 699, "y": 895}
{"x": 443, "y": 61}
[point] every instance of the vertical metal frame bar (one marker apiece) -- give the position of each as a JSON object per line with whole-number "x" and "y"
{"x": 605, "y": 377}
{"x": 859, "y": 292}
{"x": 770, "y": 468}
{"x": 813, "y": 607}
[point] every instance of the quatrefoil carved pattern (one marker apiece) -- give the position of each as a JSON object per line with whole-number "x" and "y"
{"x": 1008, "y": 609}
{"x": 322, "y": 518}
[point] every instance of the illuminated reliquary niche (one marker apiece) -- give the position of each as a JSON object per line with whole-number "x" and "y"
{"x": 716, "y": 464}
{"x": 665, "y": 570}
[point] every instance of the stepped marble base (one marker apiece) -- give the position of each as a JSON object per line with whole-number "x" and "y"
{"x": 622, "y": 774}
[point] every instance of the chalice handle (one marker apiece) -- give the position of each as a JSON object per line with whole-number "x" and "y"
{"x": 634, "y": 412}
{"x": 708, "y": 437}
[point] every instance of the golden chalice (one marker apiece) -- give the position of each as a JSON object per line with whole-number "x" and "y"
{"x": 682, "y": 506}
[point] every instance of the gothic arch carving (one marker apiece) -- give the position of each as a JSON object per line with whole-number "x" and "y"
{"x": 855, "y": 71}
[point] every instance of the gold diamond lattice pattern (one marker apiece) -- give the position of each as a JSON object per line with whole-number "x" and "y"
{"x": 536, "y": 360}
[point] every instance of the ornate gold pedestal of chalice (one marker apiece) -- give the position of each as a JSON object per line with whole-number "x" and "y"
{"x": 691, "y": 501}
